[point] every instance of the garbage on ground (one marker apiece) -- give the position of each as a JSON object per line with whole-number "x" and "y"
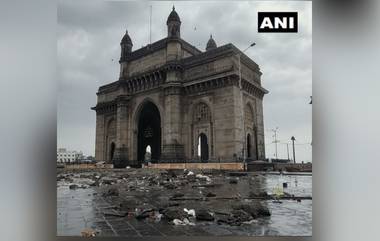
{"x": 190, "y": 212}
{"x": 183, "y": 222}
{"x": 200, "y": 176}
{"x": 88, "y": 232}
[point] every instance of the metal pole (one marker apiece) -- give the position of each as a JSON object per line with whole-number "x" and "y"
{"x": 275, "y": 142}
{"x": 287, "y": 148}
{"x": 150, "y": 25}
{"x": 294, "y": 151}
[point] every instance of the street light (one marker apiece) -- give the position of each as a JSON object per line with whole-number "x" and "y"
{"x": 242, "y": 101}
{"x": 294, "y": 151}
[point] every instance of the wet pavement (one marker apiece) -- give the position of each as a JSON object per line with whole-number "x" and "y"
{"x": 146, "y": 202}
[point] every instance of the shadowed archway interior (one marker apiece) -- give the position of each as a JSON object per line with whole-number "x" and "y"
{"x": 249, "y": 152}
{"x": 203, "y": 143}
{"x": 149, "y": 132}
{"x": 112, "y": 150}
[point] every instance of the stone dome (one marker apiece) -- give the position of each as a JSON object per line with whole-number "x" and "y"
{"x": 211, "y": 44}
{"x": 173, "y": 17}
{"x": 126, "y": 39}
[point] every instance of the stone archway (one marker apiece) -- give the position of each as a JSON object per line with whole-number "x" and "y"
{"x": 149, "y": 132}
{"x": 110, "y": 141}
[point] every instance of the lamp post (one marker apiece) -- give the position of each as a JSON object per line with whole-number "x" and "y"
{"x": 294, "y": 151}
{"x": 242, "y": 102}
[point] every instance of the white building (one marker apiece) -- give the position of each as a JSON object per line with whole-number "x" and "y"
{"x": 66, "y": 156}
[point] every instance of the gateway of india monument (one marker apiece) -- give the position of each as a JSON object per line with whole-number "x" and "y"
{"x": 182, "y": 103}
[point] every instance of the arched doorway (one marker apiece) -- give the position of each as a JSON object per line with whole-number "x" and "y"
{"x": 203, "y": 147}
{"x": 112, "y": 151}
{"x": 249, "y": 153}
{"x": 109, "y": 147}
{"x": 149, "y": 132}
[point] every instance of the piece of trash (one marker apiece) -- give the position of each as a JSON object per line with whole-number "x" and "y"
{"x": 190, "y": 212}
{"x": 190, "y": 173}
{"x": 184, "y": 222}
{"x": 178, "y": 222}
{"x": 200, "y": 176}
{"x": 88, "y": 232}
{"x": 285, "y": 185}
{"x": 157, "y": 216}
{"x": 128, "y": 167}
{"x": 250, "y": 221}
{"x": 187, "y": 222}
{"x": 278, "y": 191}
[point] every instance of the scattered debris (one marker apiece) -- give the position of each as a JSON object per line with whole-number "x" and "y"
{"x": 190, "y": 212}
{"x": 142, "y": 214}
{"x": 238, "y": 174}
{"x": 210, "y": 194}
{"x": 174, "y": 213}
{"x": 179, "y": 197}
{"x": 203, "y": 177}
{"x": 204, "y": 215}
{"x": 111, "y": 192}
{"x": 190, "y": 173}
{"x": 233, "y": 181}
{"x": 183, "y": 222}
{"x": 88, "y": 232}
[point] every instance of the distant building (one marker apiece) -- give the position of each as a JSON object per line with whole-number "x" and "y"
{"x": 66, "y": 156}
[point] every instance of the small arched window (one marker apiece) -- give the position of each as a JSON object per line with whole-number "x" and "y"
{"x": 202, "y": 113}
{"x": 248, "y": 115}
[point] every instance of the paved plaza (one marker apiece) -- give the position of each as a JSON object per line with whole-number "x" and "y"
{"x": 146, "y": 202}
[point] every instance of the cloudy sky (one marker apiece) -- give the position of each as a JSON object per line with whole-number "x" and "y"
{"x": 88, "y": 50}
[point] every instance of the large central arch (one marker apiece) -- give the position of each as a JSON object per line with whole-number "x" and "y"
{"x": 149, "y": 132}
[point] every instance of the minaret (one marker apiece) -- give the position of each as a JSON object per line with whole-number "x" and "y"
{"x": 210, "y": 44}
{"x": 126, "y": 49}
{"x": 174, "y": 28}
{"x": 174, "y": 25}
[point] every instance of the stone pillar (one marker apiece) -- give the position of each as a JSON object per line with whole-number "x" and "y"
{"x": 120, "y": 158}
{"x": 172, "y": 148}
{"x": 99, "y": 137}
{"x": 260, "y": 129}
{"x": 238, "y": 131}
